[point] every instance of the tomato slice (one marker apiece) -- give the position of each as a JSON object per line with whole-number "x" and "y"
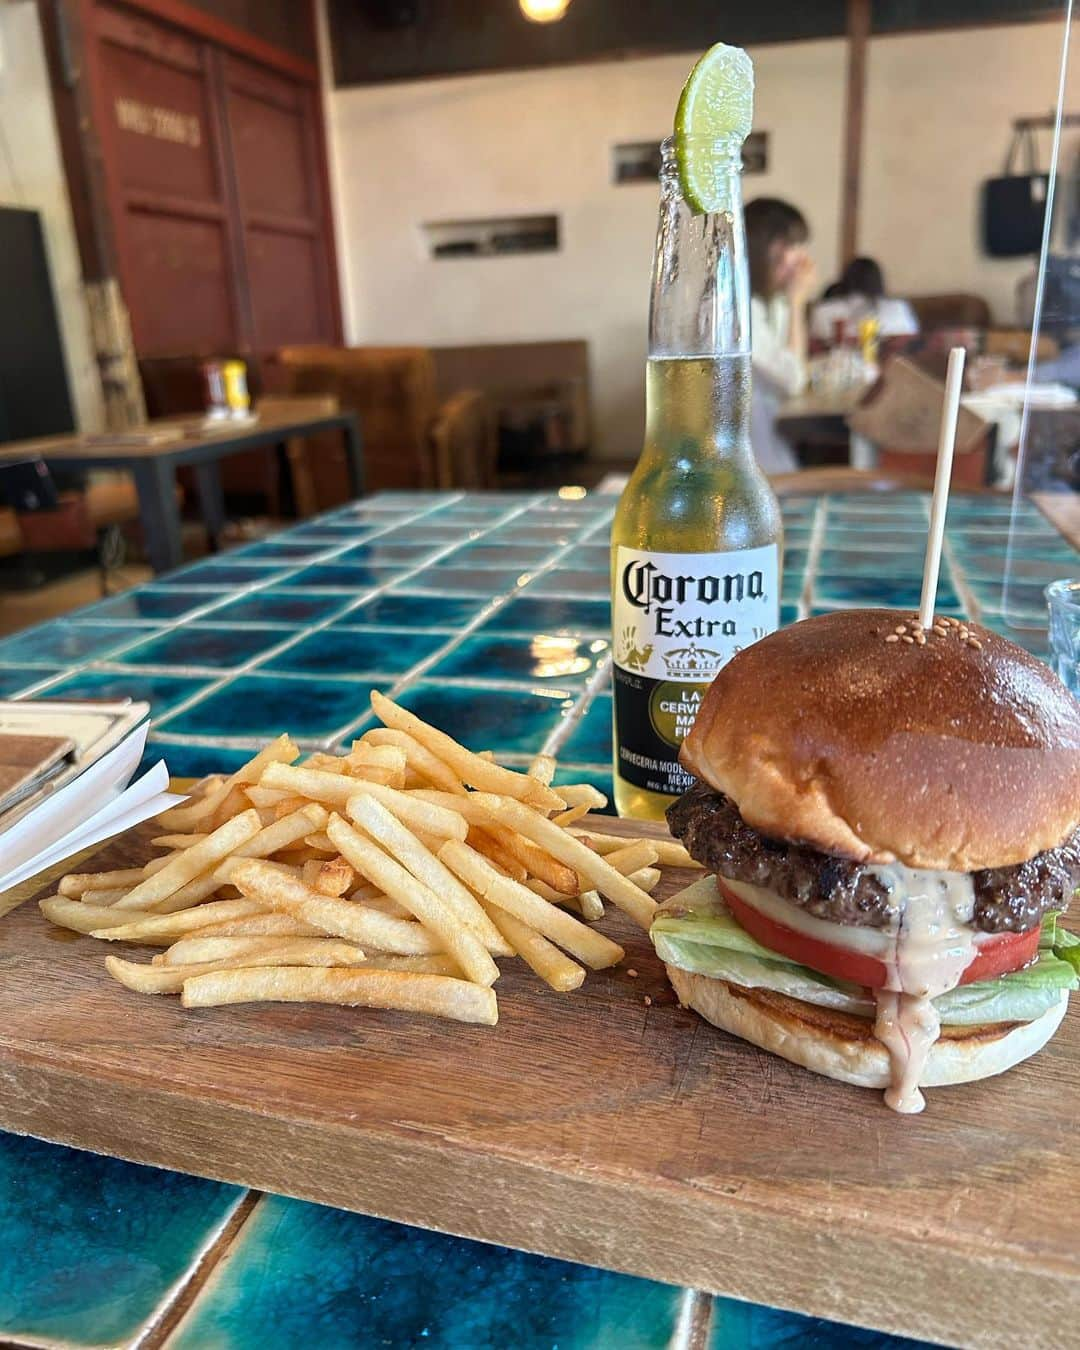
{"x": 998, "y": 955}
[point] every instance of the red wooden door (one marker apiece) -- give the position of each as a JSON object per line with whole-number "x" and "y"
{"x": 214, "y": 170}
{"x": 271, "y": 125}
{"x": 163, "y": 159}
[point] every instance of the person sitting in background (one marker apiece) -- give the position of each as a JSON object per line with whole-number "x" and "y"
{"x": 782, "y": 275}
{"x": 860, "y": 294}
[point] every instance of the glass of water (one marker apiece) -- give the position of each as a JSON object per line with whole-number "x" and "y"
{"x": 1063, "y": 597}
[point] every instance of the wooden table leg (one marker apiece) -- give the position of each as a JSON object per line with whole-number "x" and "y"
{"x": 211, "y": 501}
{"x": 155, "y": 482}
{"x": 354, "y": 452}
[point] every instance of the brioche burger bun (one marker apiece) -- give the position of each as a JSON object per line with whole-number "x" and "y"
{"x": 892, "y": 820}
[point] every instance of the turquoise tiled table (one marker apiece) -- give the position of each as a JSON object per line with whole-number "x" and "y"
{"x": 489, "y": 615}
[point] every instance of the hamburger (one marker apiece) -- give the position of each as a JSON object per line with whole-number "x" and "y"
{"x": 892, "y": 818}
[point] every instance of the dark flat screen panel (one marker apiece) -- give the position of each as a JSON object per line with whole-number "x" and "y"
{"x": 34, "y": 395}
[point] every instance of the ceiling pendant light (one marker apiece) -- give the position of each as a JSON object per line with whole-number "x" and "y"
{"x": 544, "y": 11}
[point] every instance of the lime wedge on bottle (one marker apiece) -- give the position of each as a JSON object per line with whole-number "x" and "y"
{"x": 716, "y": 105}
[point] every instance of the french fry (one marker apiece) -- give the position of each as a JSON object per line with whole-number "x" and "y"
{"x": 489, "y": 846}
{"x": 510, "y": 844}
{"x": 393, "y": 989}
{"x": 554, "y": 923}
{"x": 648, "y": 878}
{"x": 187, "y": 897}
{"x": 588, "y": 903}
{"x": 336, "y": 789}
{"x": 151, "y": 979}
{"x": 81, "y": 918}
{"x": 287, "y": 806}
{"x": 536, "y": 860}
{"x": 582, "y": 794}
{"x": 417, "y": 757}
{"x": 385, "y": 828}
{"x": 570, "y": 817}
{"x": 320, "y": 951}
{"x": 309, "y": 871}
{"x": 543, "y": 769}
{"x": 362, "y": 759}
{"x": 177, "y": 840}
{"x": 169, "y": 979}
{"x": 259, "y": 925}
{"x": 169, "y": 926}
{"x": 419, "y": 965}
{"x": 265, "y": 798}
{"x": 669, "y": 853}
{"x": 591, "y": 905}
{"x": 577, "y": 855}
{"x": 76, "y": 883}
{"x": 288, "y": 830}
{"x": 470, "y": 768}
{"x": 334, "y": 877}
{"x": 106, "y": 897}
{"x": 641, "y": 853}
{"x": 234, "y": 801}
{"x": 433, "y": 911}
{"x": 321, "y": 760}
{"x": 386, "y": 904}
{"x": 320, "y": 842}
{"x": 339, "y": 918}
{"x": 189, "y": 817}
{"x": 537, "y": 952}
{"x": 184, "y": 867}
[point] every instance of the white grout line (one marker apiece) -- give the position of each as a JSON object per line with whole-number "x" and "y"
{"x": 694, "y": 1308}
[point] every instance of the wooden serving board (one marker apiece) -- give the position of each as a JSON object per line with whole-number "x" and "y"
{"x": 592, "y": 1126}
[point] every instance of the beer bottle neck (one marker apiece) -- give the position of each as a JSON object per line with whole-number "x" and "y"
{"x": 700, "y": 305}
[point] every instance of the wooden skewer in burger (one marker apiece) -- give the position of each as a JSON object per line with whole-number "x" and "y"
{"x": 891, "y": 804}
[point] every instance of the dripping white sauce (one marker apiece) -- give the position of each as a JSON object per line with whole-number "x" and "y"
{"x": 931, "y": 944}
{"x": 925, "y": 950}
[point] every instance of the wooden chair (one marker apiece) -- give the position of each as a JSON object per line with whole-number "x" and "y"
{"x": 412, "y": 439}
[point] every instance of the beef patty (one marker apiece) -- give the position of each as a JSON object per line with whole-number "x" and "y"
{"x": 1007, "y": 899}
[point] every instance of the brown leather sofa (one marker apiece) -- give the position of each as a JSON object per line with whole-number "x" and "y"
{"x": 412, "y": 437}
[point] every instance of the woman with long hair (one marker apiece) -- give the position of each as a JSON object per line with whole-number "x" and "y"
{"x": 782, "y": 277}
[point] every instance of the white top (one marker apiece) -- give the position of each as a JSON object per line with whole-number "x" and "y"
{"x": 895, "y": 318}
{"x": 779, "y": 374}
{"x": 770, "y": 323}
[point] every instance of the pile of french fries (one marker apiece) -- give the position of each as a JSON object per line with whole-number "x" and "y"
{"x": 388, "y": 877}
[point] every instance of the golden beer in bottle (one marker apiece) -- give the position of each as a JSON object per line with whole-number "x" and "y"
{"x": 696, "y": 540}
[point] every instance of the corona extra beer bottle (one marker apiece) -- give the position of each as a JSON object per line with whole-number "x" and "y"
{"x": 696, "y": 540}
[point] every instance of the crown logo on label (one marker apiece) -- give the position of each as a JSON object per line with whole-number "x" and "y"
{"x": 692, "y": 662}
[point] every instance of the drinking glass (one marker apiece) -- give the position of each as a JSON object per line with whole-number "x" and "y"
{"x": 1063, "y": 597}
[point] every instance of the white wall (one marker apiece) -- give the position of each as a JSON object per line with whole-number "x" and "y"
{"x": 939, "y": 121}
{"x": 939, "y": 111}
{"x": 32, "y": 177}
{"x": 536, "y": 142}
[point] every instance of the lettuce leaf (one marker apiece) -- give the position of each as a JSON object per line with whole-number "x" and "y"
{"x": 695, "y": 931}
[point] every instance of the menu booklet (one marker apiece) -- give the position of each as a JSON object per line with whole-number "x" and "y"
{"x": 65, "y": 780}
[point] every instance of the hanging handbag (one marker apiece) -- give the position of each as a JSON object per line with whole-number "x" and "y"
{"x": 1013, "y": 206}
